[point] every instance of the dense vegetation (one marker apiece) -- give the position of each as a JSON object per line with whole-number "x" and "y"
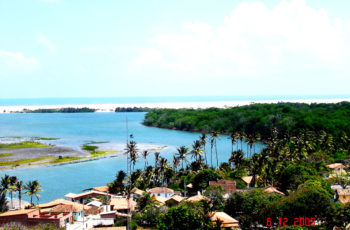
{"x": 297, "y": 168}
{"x": 62, "y": 110}
{"x": 287, "y": 118}
{"x": 299, "y": 141}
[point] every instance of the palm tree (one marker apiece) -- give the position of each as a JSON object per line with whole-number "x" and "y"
{"x": 237, "y": 158}
{"x": 182, "y": 152}
{"x": 19, "y": 188}
{"x": 145, "y": 154}
{"x": 162, "y": 165}
{"x": 233, "y": 139}
{"x": 211, "y": 151}
{"x": 12, "y": 188}
{"x": 241, "y": 137}
{"x": 156, "y": 158}
{"x": 203, "y": 140}
{"x": 33, "y": 188}
{"x": 5, "y": 183}
{"x": 214, "y": 136}
{"x": 175, "y": 162}
{"x": 131, "y": 151}
{"x": 197, "y": 149}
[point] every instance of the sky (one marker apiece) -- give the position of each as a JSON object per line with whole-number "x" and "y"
{"x": 108, "y": 48}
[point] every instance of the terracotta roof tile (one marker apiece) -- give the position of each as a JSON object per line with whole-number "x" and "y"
{"x": 161, "y": 190}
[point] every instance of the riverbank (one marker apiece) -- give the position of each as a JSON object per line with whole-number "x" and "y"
{"x": 170, "y": 105}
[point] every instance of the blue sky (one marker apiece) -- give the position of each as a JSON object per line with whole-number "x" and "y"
{"x": 61, "y": 48}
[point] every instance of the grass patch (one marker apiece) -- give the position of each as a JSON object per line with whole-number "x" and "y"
{"x": 61, "y": 159}
{"x": 44, "y": 138}
{"x": 90, "y": 148}
{"x": 24, "y": 144}
{"x": 101, "y": 153}
{"x": 22, "y": 161}
{"x": 5, "y": 154}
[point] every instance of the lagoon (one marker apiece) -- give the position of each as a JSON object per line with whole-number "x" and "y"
{"x": 76, "y": 129}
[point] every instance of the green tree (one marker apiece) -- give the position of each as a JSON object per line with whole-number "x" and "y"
{"x": 12, "y": 188}
{"x": 215, "y": 194}
{"x": 19, "y": 188}
{"x": 145, "y": 154}
{"x": 201, "y": 180}
{"x": 33, "y": 188}
{"x": 182, "y": 154}
{"x": 184, "y": 216}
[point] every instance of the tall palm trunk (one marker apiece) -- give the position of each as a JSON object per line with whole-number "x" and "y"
{"x": 211, "y": 156}
{"x": 217, "y": 159}
{"x": 11, "y": 199}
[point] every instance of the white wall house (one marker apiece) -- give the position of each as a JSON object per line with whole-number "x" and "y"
{"x": 161, "y": 191}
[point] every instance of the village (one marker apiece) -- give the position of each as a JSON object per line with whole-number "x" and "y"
{"x": 97, "y": 208}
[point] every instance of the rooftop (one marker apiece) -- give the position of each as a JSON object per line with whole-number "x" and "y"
{"x": 101, "y": 189}
{"x": 177, "y": 198}
{"x": 273, "y": 190}
{"x": 159, "y": 199}
{"x": 81, "y": 195}
{"x": 76, "y": 206}
{"x": 122, "y": 203}
{"x": 336, "y": 165}
{"x": 161, "y": 190}
{"x": 137, "y": 191}
{"x": 18, "y": 212}
{"x": 343, "y": 192}
{"x": 197, "y": 198}
{"x": 227, "y": 221}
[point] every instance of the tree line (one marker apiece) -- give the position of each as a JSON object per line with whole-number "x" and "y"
{"x": 11, "y": 185}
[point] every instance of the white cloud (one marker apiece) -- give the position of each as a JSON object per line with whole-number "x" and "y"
{"x": 47, "y": 43}
{"x": 17, "y": 61}
{"x": 253, "y": 41}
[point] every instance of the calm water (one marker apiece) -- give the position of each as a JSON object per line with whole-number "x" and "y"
{"x": 78, "y": 128}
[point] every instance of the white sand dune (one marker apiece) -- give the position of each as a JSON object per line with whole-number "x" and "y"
{"x": 174, "y": 105}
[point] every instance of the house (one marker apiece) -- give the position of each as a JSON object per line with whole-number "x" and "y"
{"x": 272, "y": 189}
{"x": 344, "y": 195}
{"x": 337, "y": 168}
{"x": 94, "y": 203}
{"x": 226, "y": 221}
{"x": 176, "y": 199}
{"x": 78, "y": 210}
{"x": 159, "y": 199}
{"x": 85, "y": 197}
{"x": 228, "y": 185}
{"x": 161, "y": 191}
{"x": 248, "y": 179}
{"x": 137, "y": 192}
{"x": 32, "y": 217}
{"x": 122, "y": 205}
{"x": 197, "y": 198}
{"x": 101, "y": 189}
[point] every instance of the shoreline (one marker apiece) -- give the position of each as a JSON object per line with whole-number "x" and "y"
{"x": 168, "y": 105}
{"x": 48, "y": 164}
{"x": 77, "y": 157}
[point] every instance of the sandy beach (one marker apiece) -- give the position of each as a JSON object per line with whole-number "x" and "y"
{"x": 172, "y": 105}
